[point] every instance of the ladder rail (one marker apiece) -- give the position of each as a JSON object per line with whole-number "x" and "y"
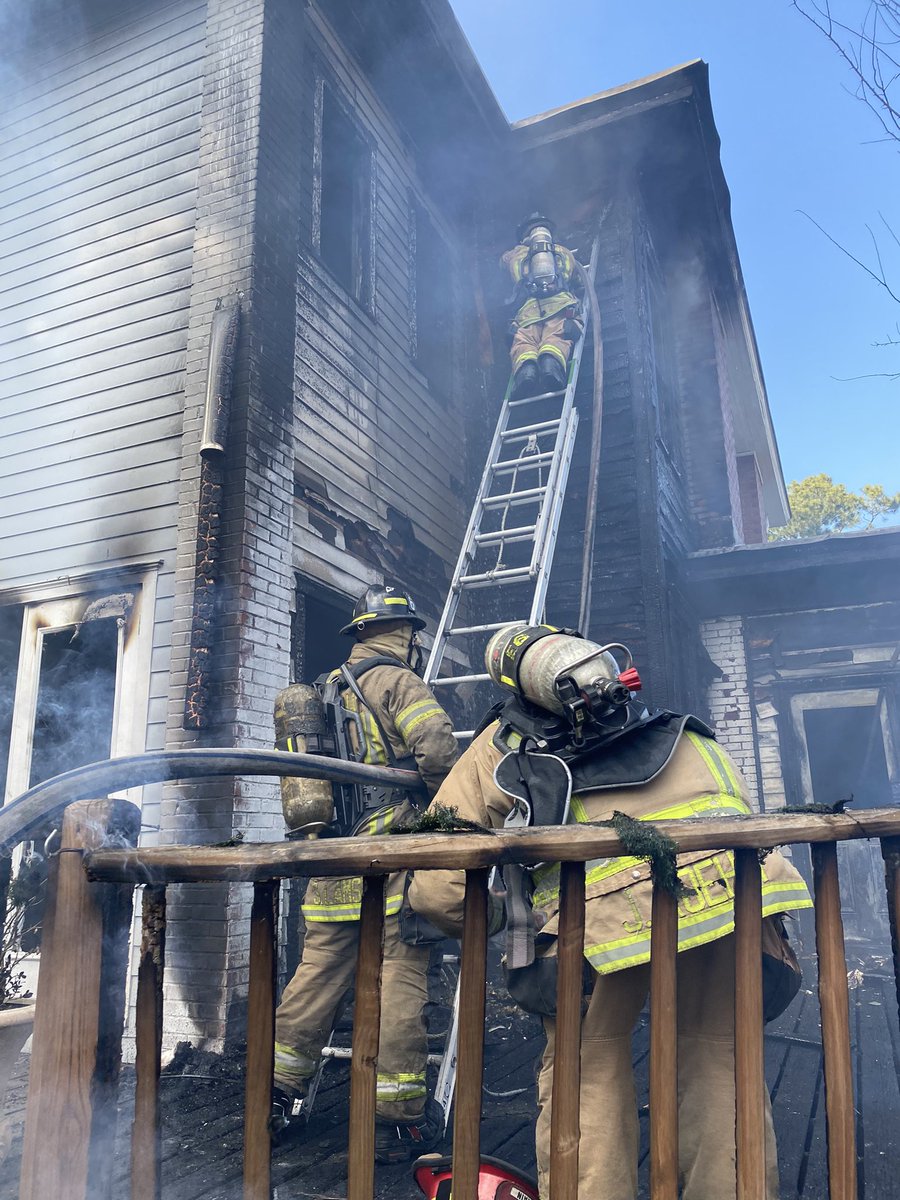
{"x": 474, "y": 526}
{"x": 547, "y": 498}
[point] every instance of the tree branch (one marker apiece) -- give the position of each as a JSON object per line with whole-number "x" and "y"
{"x": 879, "y": 279}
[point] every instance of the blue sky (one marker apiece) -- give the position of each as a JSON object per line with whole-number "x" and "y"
{"x": 793, "y": 137}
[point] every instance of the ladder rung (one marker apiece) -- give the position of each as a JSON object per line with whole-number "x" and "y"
{"x": 459, "y": 734}
{"x": 450, "y": 680}
{"x": 533, "y": 399}
{"x": 522, "y": 533}
{"x": 496, "y": 576}
{"x": 528, "y": 460}
{"x": 521, "y": 433}
{"x": 514, "y": 497}
{"x": 461, "y": 629}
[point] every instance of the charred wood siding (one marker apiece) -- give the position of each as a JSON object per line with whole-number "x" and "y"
{"x": 643, "y": 527}
{"x": 99, "y": 168}
{"x": 618, "y": 583}
{"x": 388, "y": 448}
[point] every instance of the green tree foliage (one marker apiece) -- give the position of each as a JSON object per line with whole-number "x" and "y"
{"x": 819, "y": 505}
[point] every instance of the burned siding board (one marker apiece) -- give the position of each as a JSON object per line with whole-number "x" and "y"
{"x": 99, "y": 179}
{"x": 364, "y": 413}
{"x": 616, "y": 580}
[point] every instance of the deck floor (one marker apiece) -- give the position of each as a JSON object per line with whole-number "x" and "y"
{"x": 202, "y": 1155}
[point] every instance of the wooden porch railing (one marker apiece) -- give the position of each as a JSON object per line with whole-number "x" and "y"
{"x": 374, "y": 858}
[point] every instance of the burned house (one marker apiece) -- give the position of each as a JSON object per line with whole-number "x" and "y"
{"x": 269, "y": 231}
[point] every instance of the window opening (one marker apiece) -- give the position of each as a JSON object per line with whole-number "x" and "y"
{"x": 345, "y": 200}
{"x": 73, "y": 720}
{"x": 432, "y": 285}
{"x": 10, "y": 640}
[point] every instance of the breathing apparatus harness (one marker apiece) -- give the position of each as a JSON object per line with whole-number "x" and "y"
{"x": 355, "y": 804}
{"x": 572, "y": 724}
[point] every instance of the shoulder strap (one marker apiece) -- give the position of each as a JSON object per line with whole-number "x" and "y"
{"x": 350, "y": 675}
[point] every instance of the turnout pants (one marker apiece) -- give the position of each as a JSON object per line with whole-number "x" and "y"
{"x": 312, "y": 1000}
{"x": 607, "y": 1165}
{"x": 543, "y": 337}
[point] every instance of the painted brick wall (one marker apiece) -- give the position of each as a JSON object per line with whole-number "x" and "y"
{"x": 245, "y": 245}
{"x": 729, "y": 697}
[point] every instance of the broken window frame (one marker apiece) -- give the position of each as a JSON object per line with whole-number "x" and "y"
{"x": 50, "y": 609}
{"x": 438, "y": 369}
{"x": 360, "y": 287}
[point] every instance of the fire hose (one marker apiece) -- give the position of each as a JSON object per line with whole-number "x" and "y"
{"x": 587, "y": 553}
{"x": 23, "y": 816}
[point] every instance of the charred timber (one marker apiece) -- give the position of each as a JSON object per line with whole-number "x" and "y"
{"x": 469, "y": 851}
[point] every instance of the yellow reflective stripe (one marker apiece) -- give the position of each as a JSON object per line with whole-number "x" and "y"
{"x": 549, "y": 348}
{"x": 375, "y": 751}
{"x": 381, "y": 820}
{"x": 525, "y": 356}
{"x": 697, "y": 929}
{"x": 726, "y": 764}
{"x": 365, "y": 617}
{"x": 390, "y": 1088}
{"x": 395, "y": 600}
{"x": 414, "y": 714}
{"x": 346, "y": 912}
{"x": 724, "y": 804}
{"x": 703, "y": 746}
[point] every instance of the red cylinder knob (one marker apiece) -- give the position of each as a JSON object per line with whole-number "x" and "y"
{"x": 631, "y": 679}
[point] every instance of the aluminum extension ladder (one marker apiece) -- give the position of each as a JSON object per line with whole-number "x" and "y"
{"x": 532, "y": 483}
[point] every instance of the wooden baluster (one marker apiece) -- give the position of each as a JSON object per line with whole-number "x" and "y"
{"x": 565, "y": 1130}
{"x": 366, "y": 1023}
{"x": 834, "y": 1001}
{"x": 749, "y": 1061}
{"x": 73, "y": 1086}
{"x": 890, "y": 852}
{"x": 470, "y": 1061}
{"x": 663, "y": 1046}
{"x": 145, "y": 1135}
{"x": 260, "y": 1042}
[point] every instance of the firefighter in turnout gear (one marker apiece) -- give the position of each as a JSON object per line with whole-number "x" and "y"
{"x": 404, "y": 726}
{"x": 622, "y": 758}
{"x": 546, "y": 323}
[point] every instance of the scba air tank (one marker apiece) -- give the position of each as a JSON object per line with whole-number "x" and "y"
{"x": 531, "y": 658}
{"x": 542, "y": 261}
{"x": 307, "y": 804}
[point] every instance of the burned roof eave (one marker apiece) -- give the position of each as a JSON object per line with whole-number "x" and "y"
{"x": 754, "y": 430}
{"x": 689, "y": 84}
{"x": 836, "y": 569}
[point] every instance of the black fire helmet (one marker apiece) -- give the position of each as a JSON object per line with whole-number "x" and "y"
{"x": 529, "y": 223}
{"x": 379, "y": 605}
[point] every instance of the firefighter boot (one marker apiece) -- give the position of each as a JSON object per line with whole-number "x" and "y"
{"x": 525, "y": 382}
{"x": 553, "y": 374}
{"x": 400, "y": 1143}
{"x": 287, "y": 1118}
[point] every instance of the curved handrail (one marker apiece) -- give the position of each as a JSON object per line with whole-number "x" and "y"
{"x": 22, "y": 816}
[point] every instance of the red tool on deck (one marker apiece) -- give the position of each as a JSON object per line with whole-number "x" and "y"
{"x": 497, "y": 1180}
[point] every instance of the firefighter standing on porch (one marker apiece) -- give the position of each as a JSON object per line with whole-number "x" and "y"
{"x": 404, "y": 726}
{"x": 646, "y": 765}
{"x": 546, "y": 323}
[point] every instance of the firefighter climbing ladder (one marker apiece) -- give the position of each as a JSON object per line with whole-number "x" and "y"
{"x": 526, "y": 471}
